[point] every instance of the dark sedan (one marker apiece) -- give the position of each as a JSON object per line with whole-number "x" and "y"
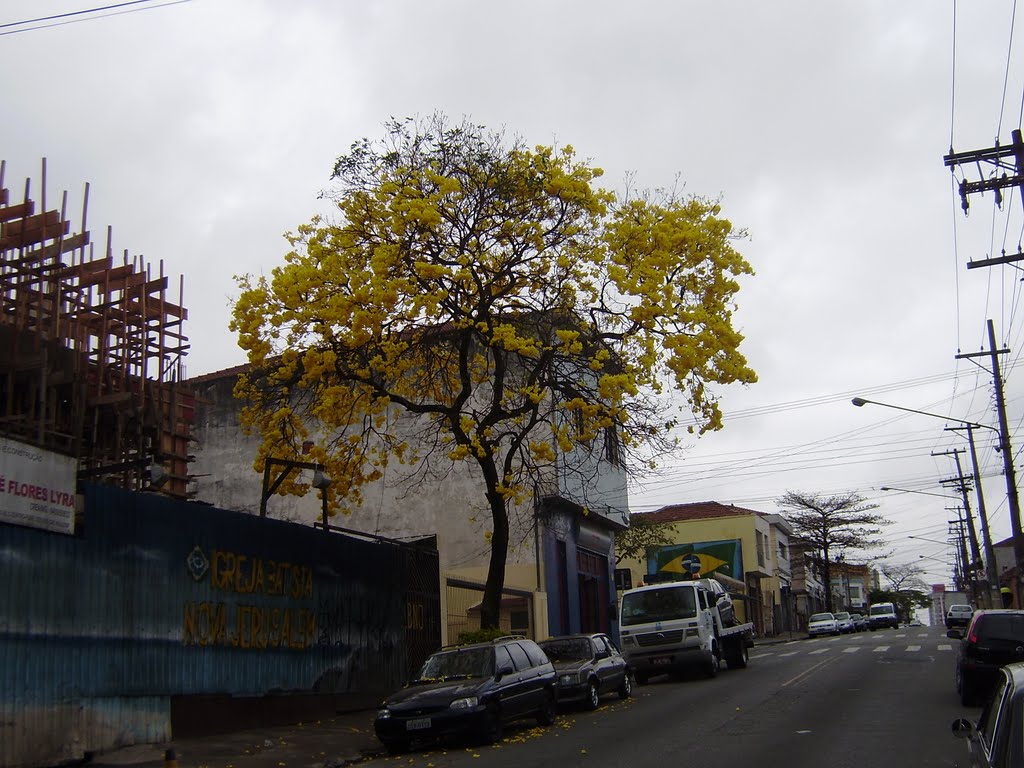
{"x": 470, "y": 690}
{"x": 994, "y": 741}
{"x": 587, "y": 667}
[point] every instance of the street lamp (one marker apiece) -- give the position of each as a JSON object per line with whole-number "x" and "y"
{"x": 1011, "y": 488}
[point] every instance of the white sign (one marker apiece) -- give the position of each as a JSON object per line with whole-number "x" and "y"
{"x": 37, "y": 487}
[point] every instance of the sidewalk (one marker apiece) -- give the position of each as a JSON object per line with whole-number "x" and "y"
{"x": 328, "y": 743}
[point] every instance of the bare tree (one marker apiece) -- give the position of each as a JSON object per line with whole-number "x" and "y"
{"x": 904, "y": 577}
{"x": 831, "y": 524}
{"x": 642, "y": 534}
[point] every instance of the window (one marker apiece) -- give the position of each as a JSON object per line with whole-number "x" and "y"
{"x": 658, "y": 605}
{"x": 519, "y": 656}
{"x": 502, "y": 658}
{"x": 612, "y": 449}
{"x": 535, "y": 653}
{"x": 623, "y": 579}
{"x": 759, "y": 542}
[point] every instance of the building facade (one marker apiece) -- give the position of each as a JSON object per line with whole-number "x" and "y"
{"x": 560, "y": 568}
{"x": 749, "y": 547}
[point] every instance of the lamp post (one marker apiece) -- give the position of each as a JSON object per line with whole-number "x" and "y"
{"x": 1011, "y": 492}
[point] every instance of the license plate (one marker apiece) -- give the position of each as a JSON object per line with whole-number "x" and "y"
{"x": 661, "y": 660}
{"x": 419, "y": 724}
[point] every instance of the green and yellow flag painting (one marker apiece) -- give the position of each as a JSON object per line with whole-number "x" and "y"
{"x": 705, "y": 557}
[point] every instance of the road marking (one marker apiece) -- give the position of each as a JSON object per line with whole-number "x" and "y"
{"x": 913, "y": 647}
{"x": 791, "y": 653}
{"x": 851, "y": 649}
{"x": 881, "y": 649}
{"x": 820, "y": 650}
{"x": 809, "y": 671}
{"x": 945, "y": 647}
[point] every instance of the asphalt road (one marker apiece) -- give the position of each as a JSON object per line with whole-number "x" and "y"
{"x": 881, "y": 699}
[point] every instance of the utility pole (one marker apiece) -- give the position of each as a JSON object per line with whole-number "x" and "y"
{"x": 956, "y": 528}
{"x": 991, "y": 570}
{"x": 1012, "y": 498}
{"x": 961, "y": 483}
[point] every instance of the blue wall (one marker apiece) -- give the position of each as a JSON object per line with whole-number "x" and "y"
{"x": 156, "y": 598}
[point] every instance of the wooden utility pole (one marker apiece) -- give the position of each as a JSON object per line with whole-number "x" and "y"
{"x": 1005, "y": 449}
{"x": 971, "y": 570}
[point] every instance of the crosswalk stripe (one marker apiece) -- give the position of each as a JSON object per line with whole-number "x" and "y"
{"x": 851, "y": 649}
{"x": 913, "y": 647}
{"x": 820, "y": 650}
{"x": 945, "y": 647}
{"x": 881, "y": 648}
{"x": 791, "y": 653}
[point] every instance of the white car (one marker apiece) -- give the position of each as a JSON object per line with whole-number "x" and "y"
{"x": 822, "y": 624}
{"x": 845, "y": 622}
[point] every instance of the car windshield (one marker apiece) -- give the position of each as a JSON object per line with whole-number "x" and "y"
{"x": 877, "y": 610}
{"x": 570, "y": 649}
{"x": 822, "y": 617}
{"x": 658, "y": 605}
{"x": 472, "y": 662}
{"x": 842, "y": 616}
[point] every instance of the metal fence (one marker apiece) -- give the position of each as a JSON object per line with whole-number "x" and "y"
{"x": 464, "y": 598}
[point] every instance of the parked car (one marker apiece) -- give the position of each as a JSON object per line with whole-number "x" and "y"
{"x": 994, "y": 740}
{"x": 859, "y": 622}
{"x": 958, "y": 616}
{"x": 726, "y": 609}
{"x": 822, "y": 624}
{"x": 882, "y": 615}
{"x": 845, "y": 622}
{"x": 587, "y": 667}
{"x": 470, "y": 690}
{"x": 992, "y": 639}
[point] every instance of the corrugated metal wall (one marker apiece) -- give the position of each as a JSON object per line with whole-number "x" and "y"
{"x": 155, "y": 598}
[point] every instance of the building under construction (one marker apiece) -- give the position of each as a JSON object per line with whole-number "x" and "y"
{"x": 91, "y": 347}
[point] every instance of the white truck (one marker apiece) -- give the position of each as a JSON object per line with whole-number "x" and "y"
{"x": 668, "y": 627}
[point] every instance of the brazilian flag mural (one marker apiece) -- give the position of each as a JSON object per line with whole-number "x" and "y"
{"x": 705, "y": 557}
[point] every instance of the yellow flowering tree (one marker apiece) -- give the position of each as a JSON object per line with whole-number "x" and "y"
{"x": 477, "y": 300}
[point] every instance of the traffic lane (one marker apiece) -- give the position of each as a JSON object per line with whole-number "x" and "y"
{"x": 887, "y": 699}
{"x": 855, "y": 699}
{"x": 842, "y": 707}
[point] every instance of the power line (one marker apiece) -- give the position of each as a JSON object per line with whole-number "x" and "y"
{"x": 82, "y": 12}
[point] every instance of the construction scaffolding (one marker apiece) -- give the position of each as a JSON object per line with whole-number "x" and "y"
{"x": 91, "y": 350}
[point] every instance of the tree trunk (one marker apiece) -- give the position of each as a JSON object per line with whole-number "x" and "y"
{"x": 490, "y": 607}
{"x": 826, "y": 572}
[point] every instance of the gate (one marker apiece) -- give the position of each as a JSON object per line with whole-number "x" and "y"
{"x": 464, "y": 598}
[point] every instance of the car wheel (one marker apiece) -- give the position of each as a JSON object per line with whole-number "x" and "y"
{"x": 593, "y": 697}
{"x": 493, "y": 726}
{"x": 546, "y": 714}
{"x": 396, "y": 746}
{"x": 738, "y": 659}
{"x": 626, "y": 689}
{"x": 712, "y": 666}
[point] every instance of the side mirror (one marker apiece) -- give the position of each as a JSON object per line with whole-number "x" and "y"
{"x": 955, "y": 634}
{"x": 601, "y": 655}
{"x": 962, "y": 728}
{"x": 504, "y": 669}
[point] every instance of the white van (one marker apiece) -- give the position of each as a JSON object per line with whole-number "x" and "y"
{"x": 882, "y": 615}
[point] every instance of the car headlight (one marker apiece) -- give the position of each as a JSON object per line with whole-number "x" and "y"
{"x": 467, "y": 703}
{"x": 627, "y": 641}
{"x": 383, "y": 714}
{"x": 566, "y": 680}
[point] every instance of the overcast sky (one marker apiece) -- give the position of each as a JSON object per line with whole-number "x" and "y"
{"x": 207, "y": 128}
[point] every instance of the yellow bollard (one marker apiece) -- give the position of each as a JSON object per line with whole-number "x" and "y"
{"x": 170, "y": 759}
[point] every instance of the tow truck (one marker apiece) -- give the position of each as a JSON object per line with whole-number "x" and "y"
{"x": 670, "y": 627}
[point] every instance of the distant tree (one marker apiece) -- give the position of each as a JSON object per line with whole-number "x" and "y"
{"x": 482, "y": 303}
{"x": 901, "y": 577}
{"x": 643, "y": 534}
{"x": 832, "y": 525}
